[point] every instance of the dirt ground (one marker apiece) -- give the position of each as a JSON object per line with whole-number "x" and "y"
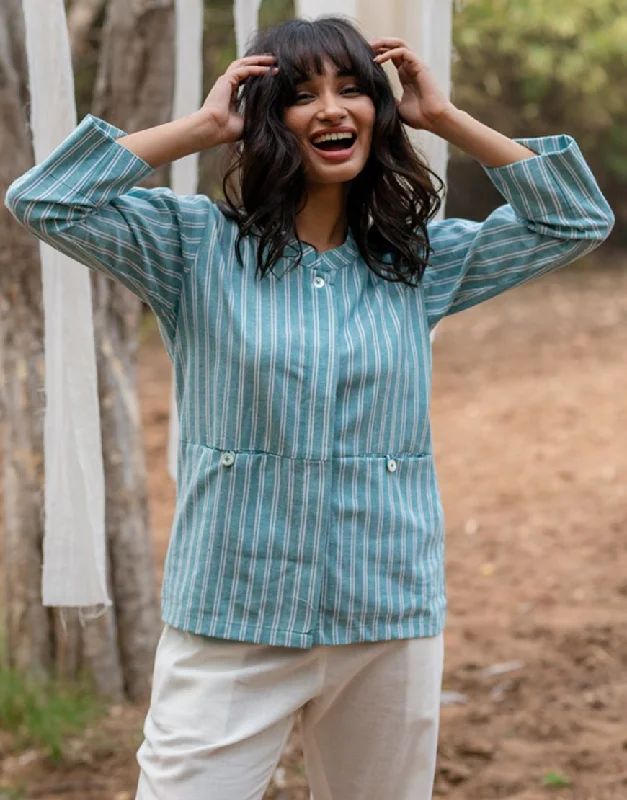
{"x": 530, "y": 424}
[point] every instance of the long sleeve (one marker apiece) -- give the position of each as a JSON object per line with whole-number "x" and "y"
{"x": 555, "y": 213}
{"x": 84, "y": 201}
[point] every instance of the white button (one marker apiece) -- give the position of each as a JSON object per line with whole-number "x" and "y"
{"x": 319, "y": 281}
{"x": 391, "y": 464}
{"x": 227, "y": 459}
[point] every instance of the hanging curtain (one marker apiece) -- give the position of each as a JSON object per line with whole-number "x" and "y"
{"x": 426, "y": 26}
{"x": 246, "y": 13}
{"x": 184, "y": 172}
{"x": 74, "y": 571}
{"x": 435, "y": 45}
{"x": 318, "y": 8}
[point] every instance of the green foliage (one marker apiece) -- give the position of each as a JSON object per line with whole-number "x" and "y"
{"x": 555, "y": 780}
{"x": 43, "y": 714}
{"x": 531, "y": 67}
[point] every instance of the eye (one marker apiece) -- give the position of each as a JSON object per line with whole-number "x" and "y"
{"x": 351, "y": 90}
{"x": 300, "y": 98}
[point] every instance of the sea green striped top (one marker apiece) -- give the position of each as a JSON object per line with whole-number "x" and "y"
{"x": 307, "y": 507}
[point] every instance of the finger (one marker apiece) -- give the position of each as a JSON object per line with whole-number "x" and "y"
{"x": 398, "y": 56}
{"x": 388, "y": 42}
{"x": 242, "y": 73}
{"x": 265, "y": 58}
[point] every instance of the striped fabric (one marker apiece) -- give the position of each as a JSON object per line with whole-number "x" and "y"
{"x": 308, "y": 509}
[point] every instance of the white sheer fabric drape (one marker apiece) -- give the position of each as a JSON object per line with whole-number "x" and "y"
{"x": 434, "y": 24}
{"x": 246, "y": 14}
{"x": 319, "y": 8}
{"x": 74, "y": 572}
{"x": 184, "y": 172}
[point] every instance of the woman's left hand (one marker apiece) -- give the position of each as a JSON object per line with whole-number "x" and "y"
{"x": 423, "y": 104}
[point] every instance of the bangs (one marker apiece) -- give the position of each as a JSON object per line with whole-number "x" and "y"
{"x": 302, "y": 48}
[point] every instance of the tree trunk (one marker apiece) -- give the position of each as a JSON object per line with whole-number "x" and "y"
{"x": 21, "y": 373}
{"x": 133, "y": 90}
{"x": 81, "y": 16}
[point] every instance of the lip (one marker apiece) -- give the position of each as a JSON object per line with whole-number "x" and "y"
{"x": 335, "y": 155}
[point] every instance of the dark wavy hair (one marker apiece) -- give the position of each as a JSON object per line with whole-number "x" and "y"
{"x": 389, "y": 203}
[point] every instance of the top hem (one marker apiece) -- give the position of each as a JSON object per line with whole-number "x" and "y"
{"x": 302, "y": 640}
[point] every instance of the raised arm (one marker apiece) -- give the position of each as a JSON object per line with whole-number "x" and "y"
{"x": 217, "y": 122}
{"x": 554, "y": 211}
{"x": 424, "y": 106}
{"x": 84, "y": 200}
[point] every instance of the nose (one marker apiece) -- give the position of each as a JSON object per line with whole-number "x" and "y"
{"x": 331, "y": 107}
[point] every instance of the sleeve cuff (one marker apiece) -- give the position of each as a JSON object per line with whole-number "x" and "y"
{"x": 539, "y": 181}
{"x": 93, "y": 147}
{"x": 109, "y": 134}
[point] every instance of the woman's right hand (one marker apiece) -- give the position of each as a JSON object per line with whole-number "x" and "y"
{"x": 216, "y": 122}
{"x": 220, "y": 105}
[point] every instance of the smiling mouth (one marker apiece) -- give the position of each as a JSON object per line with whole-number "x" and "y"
{"x": 336, "y": 143}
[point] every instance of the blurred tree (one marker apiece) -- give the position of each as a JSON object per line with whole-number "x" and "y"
{"x": 81, "y": 17}
{"x": 27, "y": 624}
{"x": 532, "y": 68}
{"x": 133, "y": 89}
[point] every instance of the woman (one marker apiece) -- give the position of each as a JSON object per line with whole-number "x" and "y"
{"x": 305, "y": 569}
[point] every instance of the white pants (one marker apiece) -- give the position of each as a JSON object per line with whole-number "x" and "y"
{"x": 222, "y": 711}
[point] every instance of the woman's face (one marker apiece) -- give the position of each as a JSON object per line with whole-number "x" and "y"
{"x": 333, "y": 120}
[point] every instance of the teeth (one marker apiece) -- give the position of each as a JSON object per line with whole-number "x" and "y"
{"x": 332, "y": 137}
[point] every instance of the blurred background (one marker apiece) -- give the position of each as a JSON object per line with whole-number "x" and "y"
{"x": 529, "y": 421}
{"x": 526, "y": 67}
